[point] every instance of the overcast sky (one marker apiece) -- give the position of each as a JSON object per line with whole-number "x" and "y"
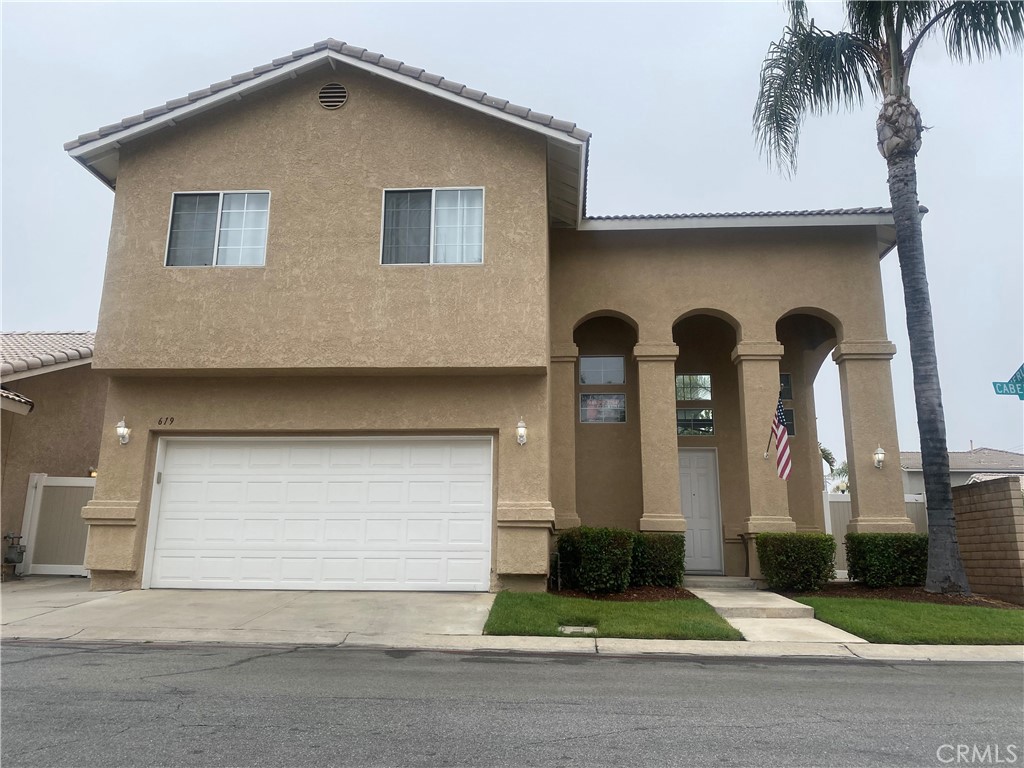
{"x": 666, "y": 89}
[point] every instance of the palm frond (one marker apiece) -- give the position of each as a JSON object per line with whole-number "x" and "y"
{"x": 797, "y": 11}
{"x": 865, "y": 19}
{"x": 811, "y": 71}
{"x": 916, "y": 14}
{"x": 975, "y": 30}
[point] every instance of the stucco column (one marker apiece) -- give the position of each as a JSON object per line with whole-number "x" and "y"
{"x": 757, "y": 369}
{"x": 562, "y": 407}
{"x": 869, "y": 415}
{"x": 116, "y": 516}
{"x": 659, "y": 451}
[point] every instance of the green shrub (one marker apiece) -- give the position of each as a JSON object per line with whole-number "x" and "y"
{"x": 658, "y": 559}
{"x": 799, "y": 562}
{"x": 595, "y": 559}
{"x": 887, "y": 559}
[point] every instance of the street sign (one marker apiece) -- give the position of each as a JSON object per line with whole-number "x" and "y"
{"x": 1015, "y": 386}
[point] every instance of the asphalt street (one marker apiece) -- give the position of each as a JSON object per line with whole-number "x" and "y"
{"x": 148, "y": 705}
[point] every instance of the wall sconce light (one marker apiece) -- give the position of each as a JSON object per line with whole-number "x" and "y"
{"x": 843, "y": 485}
{"x": 521, "y": 432}
{"x": 123, "y": 433}
{"x": 91, "y": 472}
{"x": 879, "y": 457}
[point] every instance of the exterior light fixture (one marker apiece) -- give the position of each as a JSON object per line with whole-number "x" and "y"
{"x": 92, "y": 472}
{"x": 879, "y": 457}
{"x": 521, "y": 432}
{"x": 123, "y": 433}
{"x": 843, "y": 485}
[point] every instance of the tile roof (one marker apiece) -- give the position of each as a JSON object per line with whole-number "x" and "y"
{"x": 978, "y": 460}
{"x": 6, "y": 394}
{"x": 353, "y": 52}
{"x": 29, "y": 351}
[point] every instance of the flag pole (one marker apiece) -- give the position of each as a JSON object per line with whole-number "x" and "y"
{"x": 772, "y": 433}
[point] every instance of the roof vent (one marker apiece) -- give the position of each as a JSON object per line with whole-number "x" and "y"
{"x": 333, "y": 95}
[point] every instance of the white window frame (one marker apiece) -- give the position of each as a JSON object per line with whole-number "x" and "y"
{"x": 433, "y": 207}
{"x": 216, "y": 238}
{"x": 603, "y": 383}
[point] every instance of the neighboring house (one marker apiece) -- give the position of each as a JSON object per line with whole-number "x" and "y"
{"x": 365, "y": 336}
{"x": 52, "y": 405}
{"x": 965, "y": 467}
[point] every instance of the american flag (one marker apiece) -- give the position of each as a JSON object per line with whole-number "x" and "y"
{"x": 783, "y": 464}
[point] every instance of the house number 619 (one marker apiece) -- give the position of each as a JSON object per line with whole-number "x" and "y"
{"x": 165, "y": 421}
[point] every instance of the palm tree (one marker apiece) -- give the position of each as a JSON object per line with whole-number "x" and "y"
{"x": 840, "y": 474}
{"x": 828, "y": 457}
{"x": 812, "y": 71}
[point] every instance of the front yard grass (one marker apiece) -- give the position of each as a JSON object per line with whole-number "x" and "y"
{"x": 904, "y": 623}
{"x": 536, "y": 613}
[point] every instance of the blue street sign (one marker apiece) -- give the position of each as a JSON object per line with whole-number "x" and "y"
{"x": 1015, "y": 386}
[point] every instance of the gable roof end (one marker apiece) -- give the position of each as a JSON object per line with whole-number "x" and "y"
{"x": 567, "y": 143}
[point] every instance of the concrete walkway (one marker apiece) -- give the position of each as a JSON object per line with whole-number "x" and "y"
{"x": 59, "y": 608}
{"x": 765, "y": 616}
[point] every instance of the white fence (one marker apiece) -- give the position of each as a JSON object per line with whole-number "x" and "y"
{"x": 838, "y": 513}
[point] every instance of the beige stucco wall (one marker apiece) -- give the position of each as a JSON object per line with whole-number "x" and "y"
{"x": 60, "y": 437}
{"x": 609, "y": 479}
{"x": 323, "y": 300}
{"x": 120, "y": 511}
{"x": 755, "y": 276}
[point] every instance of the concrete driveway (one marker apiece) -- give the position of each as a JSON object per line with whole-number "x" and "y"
{"x": 58, "y": 607}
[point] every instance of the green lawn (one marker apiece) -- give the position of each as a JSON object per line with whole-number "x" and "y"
{"x": 893, "y": 621}
{"x": 536, "y": 613}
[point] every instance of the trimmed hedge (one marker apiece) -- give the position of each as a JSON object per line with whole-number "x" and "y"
{"x": 595, "y": 559}
{"x": 887, "y": 559}
{"x": 658, "y": 559}
{"x": 798, "y": 562}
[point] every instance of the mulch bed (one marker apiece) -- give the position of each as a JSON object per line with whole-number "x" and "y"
{"x": 633, "y": 594}
{"x": 904, "y": 594}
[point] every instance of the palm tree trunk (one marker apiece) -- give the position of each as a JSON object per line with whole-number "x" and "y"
{"x": 945, "y": 568}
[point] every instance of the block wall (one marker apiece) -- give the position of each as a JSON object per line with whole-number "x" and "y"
{"x": 990, "y": 529}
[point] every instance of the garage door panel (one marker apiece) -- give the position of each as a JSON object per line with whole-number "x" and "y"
{"x": 333, "y": 514}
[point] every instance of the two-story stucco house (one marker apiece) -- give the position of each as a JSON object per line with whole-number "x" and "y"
{"x": 364, "y": 336}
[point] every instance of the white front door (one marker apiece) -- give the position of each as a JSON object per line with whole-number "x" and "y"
{"x": 399, "y": 513}
{"x": 698, "y": 490}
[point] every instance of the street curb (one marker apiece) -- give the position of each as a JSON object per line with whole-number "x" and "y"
{"x": 597, "y": 647}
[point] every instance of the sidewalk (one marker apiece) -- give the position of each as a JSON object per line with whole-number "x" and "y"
{"x": 58, "y": 608}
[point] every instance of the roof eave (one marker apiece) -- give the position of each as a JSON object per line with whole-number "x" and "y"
{"x": 40, "y": 370}
{"x": 23, "y": 409}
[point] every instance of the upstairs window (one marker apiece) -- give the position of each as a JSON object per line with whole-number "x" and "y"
{"x": 694, "y": 390}
{"x": 786, "y": 386}
{"x": 693, "y": 386}
{"x": 602, "y": 370}
{"x": 433, "y": 226}
{"x": 786, "y": 393}
{"x": 223, "y": 229}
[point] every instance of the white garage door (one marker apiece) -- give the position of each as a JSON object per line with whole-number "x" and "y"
{"x": 353, "y": 513}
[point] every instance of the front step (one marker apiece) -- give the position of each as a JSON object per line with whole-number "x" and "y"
{"x": 752, "y": 604}
{"x": 719, "y": 582}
